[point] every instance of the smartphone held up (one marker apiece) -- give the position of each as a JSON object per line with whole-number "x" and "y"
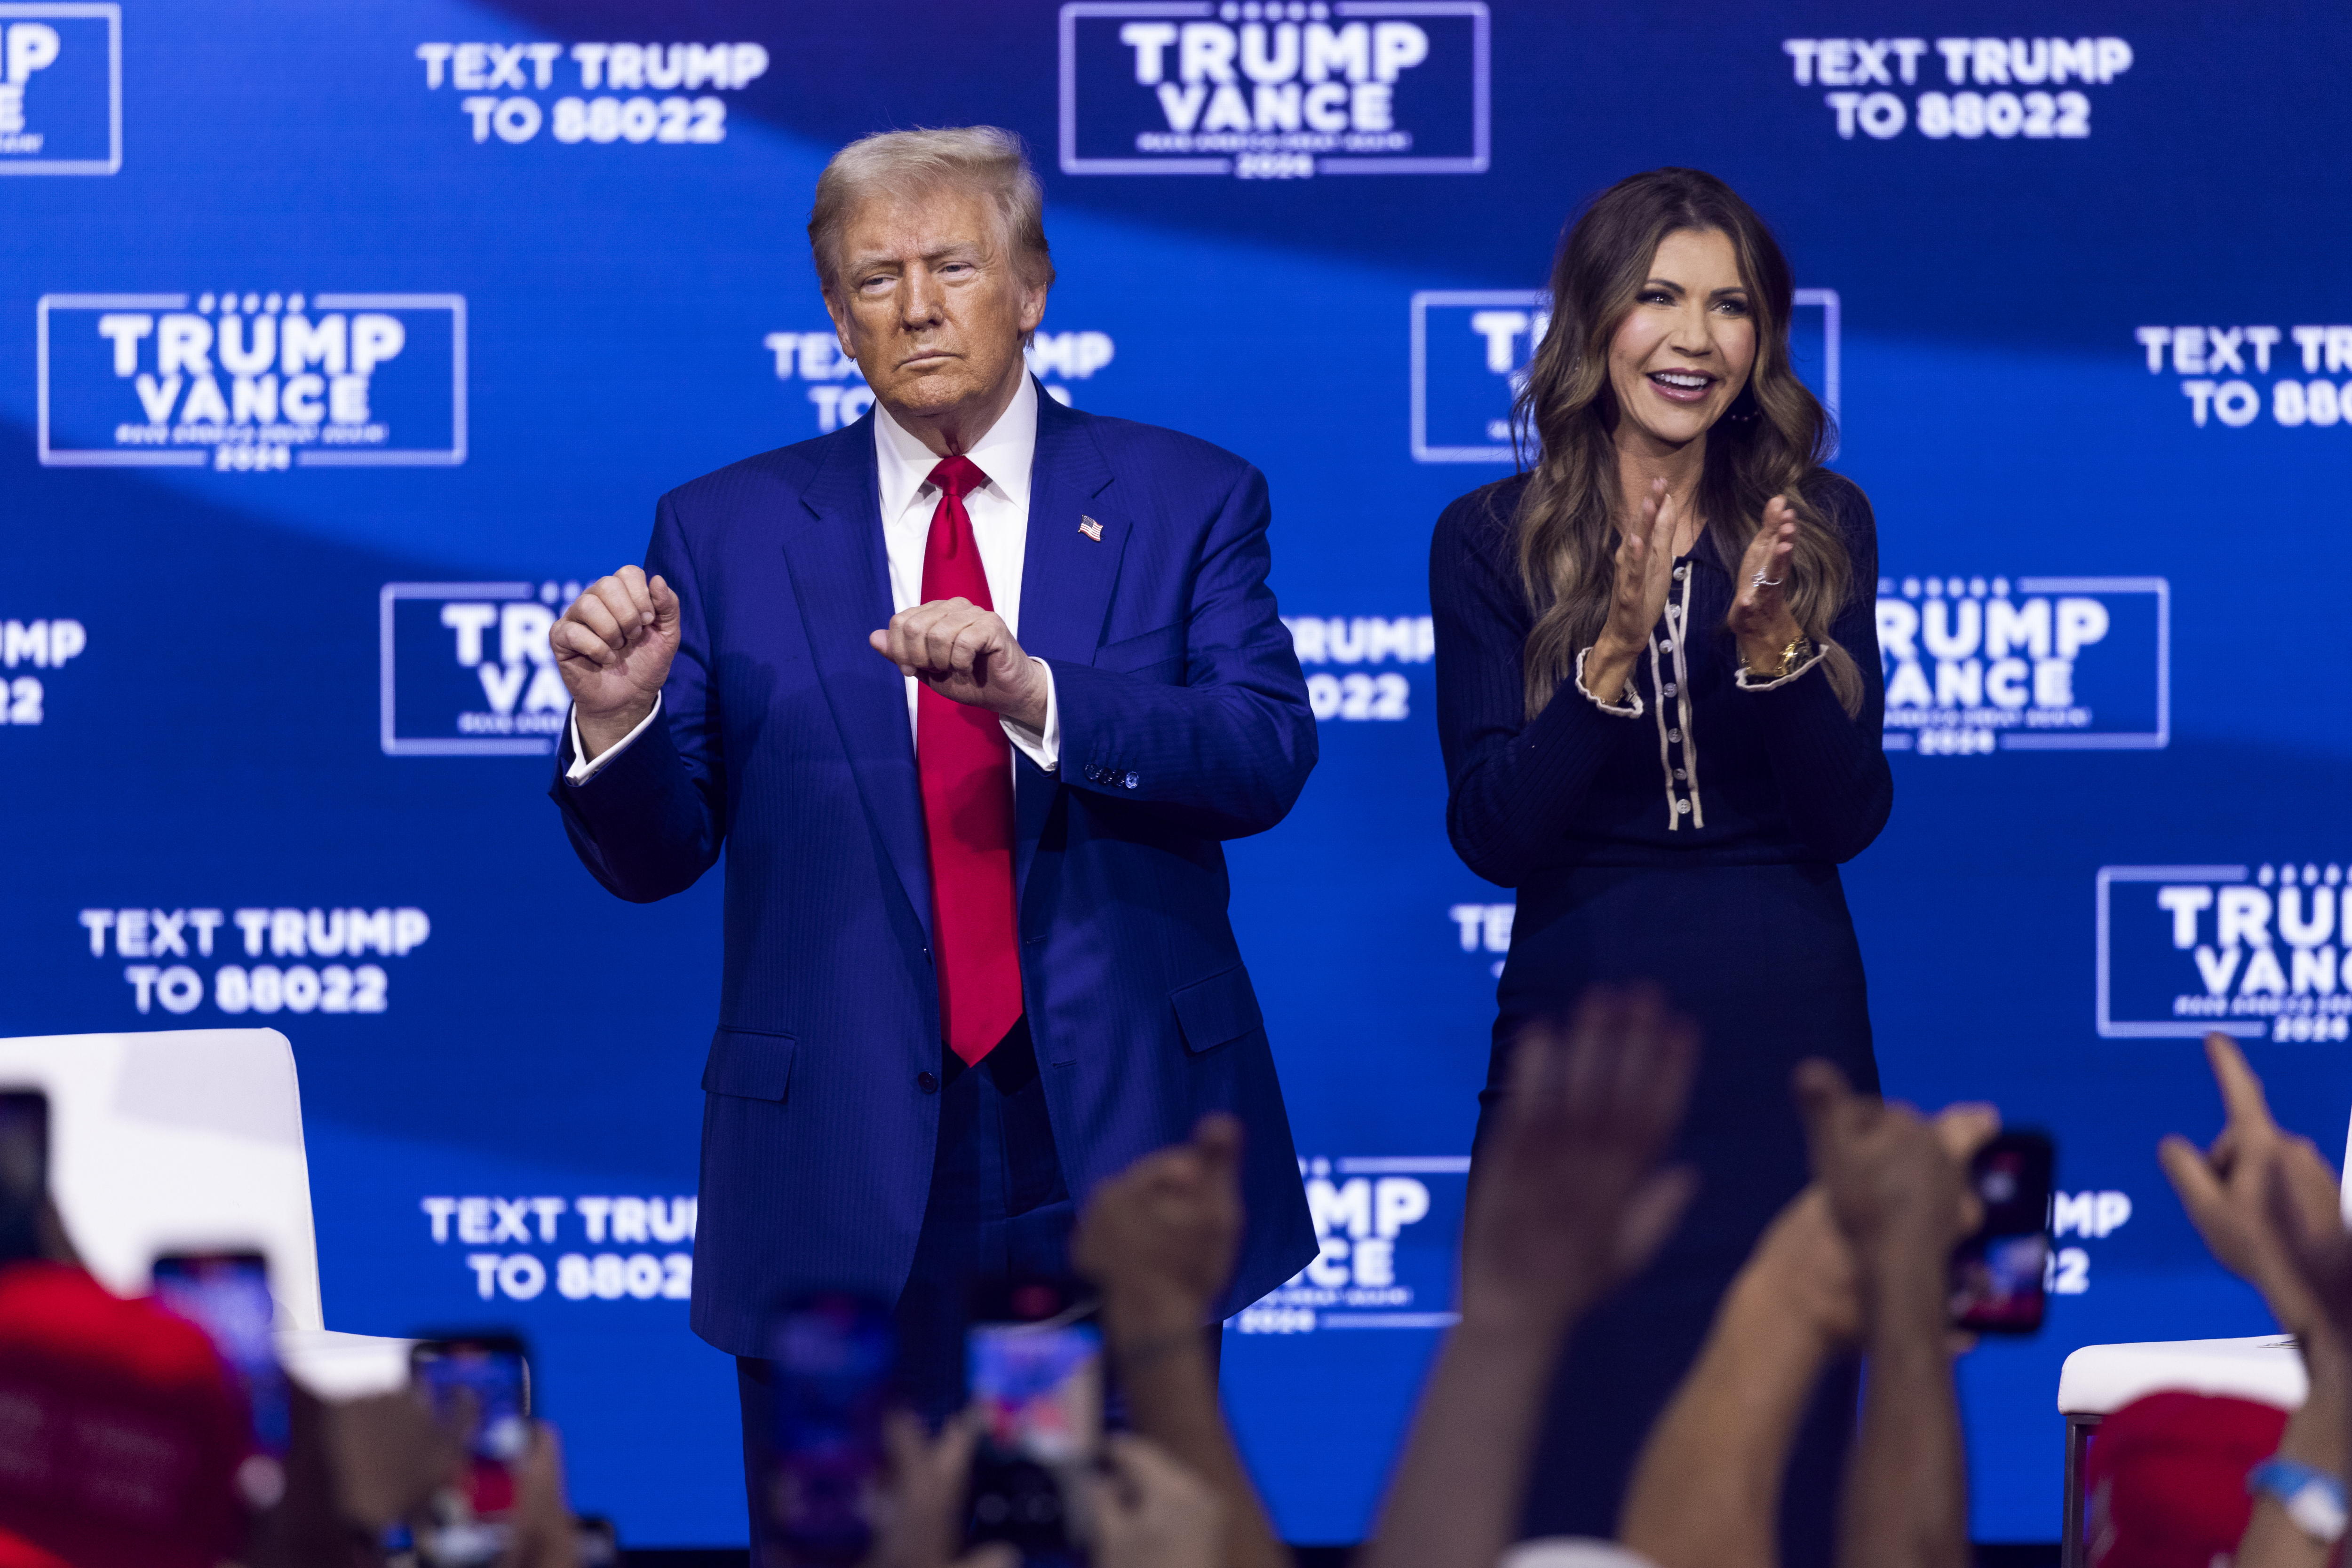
{"x": 226, "y": 1294}
{"x": 481, "y": 1383}
{"x": 832, "y": 1356}
{"x": 2000, "y": 1272}
{"x": 1034, "y": 1365}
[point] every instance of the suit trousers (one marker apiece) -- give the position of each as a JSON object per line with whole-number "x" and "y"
{"x": 999, "y": 1209}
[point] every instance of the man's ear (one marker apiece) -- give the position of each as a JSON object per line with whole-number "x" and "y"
{"x": 840, "y": 320}
{"x": 1033, "y": 309}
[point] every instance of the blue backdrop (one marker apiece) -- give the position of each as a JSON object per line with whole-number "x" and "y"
{"x": 338, "y": 345}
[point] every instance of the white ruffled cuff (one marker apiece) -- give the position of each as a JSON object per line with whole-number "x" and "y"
{"x": 1630, "y": 708}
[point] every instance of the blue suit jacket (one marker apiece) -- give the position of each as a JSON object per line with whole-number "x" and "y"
{"x": 1184, "y": 722}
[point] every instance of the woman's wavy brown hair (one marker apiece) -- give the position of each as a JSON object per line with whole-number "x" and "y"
{"x": 1770, "y": 442}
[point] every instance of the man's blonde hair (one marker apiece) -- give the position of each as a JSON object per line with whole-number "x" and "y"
{"x": 982, "y": 158}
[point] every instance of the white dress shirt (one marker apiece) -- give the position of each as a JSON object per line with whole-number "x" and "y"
{"x": 1000, "y": 523}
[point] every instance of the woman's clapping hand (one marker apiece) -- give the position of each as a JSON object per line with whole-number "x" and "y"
{"x": 1645, "y": 569}
{"x": 1760, "y": 617}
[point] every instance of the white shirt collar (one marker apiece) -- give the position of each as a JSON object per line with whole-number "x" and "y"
{"x": 1004, "y": 453}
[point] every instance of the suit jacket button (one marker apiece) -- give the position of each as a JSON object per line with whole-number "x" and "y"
{"x": 929, "y": 1082}
{"x": 1132, "y": 780}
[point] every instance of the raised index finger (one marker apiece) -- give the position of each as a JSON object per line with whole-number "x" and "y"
{"x": 1964, "y": 1129}
{"x": 2242, "y": 1092}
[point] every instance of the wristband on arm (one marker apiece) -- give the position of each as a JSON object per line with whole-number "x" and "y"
{"x": 2313, "y": 1499}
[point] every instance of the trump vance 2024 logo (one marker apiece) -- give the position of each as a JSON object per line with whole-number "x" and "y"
{"x": 1274, "y": 90}
{"x": 2254, "y": 951}
{"x": 1975, "y": 665}
{"x": 60, "y": 88}
{"x": 252, "y": 382}
{"x": 466, "y": 670}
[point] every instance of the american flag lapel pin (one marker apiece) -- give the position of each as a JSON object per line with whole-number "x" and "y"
{"x": 1091, "y": 528}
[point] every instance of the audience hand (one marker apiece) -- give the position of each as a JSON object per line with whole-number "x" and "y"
{"x": 1568, "y": 1201}
{"x": 2226, "y": 1189}
{"x": 388, "y": 1455}
{"x": 545, "y": 1533}
{"x": 393, "y": 1458}
{"x": 1892, "y": 1182}
{"x": 1899, "y": 1194}
{"x": 1803, "y": 1261}
{"x": 2307, "y": 1211}
{"x": 1152, "y": 1513}
{"x": 1161, "y": 1237}
{"x": 2265, "y": 1202}
{"x": 922, "y": 1515}
{"x": 1706, "y": 1490}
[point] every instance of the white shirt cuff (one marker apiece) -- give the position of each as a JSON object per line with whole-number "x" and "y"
{"x": 1628, "y": 703}
{"x": 581, "y": 770}
{"x": 1044, "y": 746}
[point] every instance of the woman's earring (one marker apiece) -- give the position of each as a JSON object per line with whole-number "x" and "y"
{"x": 1744, "y": 408}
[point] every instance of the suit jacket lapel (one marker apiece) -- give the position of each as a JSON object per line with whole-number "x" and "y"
{"x": 841, "y": 578}
{"x": 1066, "y": 576}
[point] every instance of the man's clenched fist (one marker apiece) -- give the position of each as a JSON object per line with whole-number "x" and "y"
{"x": 614, "y": 646}
{"x": 968, "y": 655}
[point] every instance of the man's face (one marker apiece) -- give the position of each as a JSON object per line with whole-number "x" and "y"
{"x": 928, "y": 301}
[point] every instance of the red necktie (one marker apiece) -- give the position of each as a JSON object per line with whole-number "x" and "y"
{"x": 965, "y": 764}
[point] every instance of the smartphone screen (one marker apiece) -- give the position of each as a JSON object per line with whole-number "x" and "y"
{"x": 226, "y": 1294}
{"x": 24, "y": 1171}
{"x": 832, "y": 1356}
{"x": 492, "y": 1371}
{"x": 1034, "y": 1366}
{"x": 1997, "y": 1273}
{"x": 1038, "y": 1387}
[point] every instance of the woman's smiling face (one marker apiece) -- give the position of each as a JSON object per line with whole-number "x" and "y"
{"x": 1682, "y": 352}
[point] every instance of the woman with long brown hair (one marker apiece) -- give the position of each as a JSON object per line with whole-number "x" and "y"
{"x": 1659, "y": 695}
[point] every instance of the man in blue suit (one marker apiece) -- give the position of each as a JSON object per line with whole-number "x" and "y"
{"x": 977, "y": 952}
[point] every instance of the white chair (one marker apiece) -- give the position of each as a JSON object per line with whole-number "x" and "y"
{"x": 2098, "y": 1380}
{"x": 183, "y": 1140}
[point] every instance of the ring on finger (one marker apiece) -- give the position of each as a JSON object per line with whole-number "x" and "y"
{"x": 1760, "y": 580}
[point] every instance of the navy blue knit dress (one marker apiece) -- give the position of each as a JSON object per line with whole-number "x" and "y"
{"x": 1689, "y": 834}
